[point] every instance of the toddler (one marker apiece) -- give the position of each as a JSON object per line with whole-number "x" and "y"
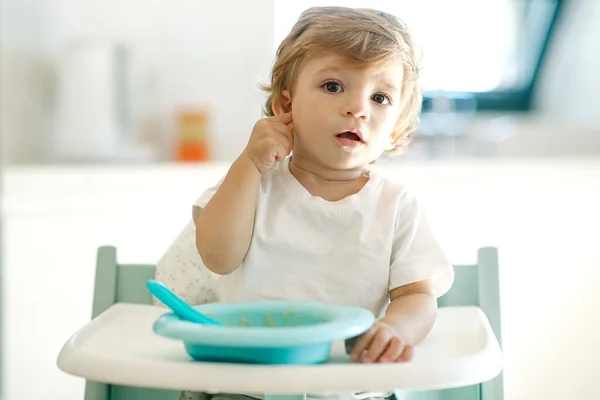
{"x": 304, "y": 214}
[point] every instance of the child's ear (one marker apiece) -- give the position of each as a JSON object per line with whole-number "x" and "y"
{"x": 286, "y": 103}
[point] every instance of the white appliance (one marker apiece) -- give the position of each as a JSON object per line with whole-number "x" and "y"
{"x": 95, "y": 102}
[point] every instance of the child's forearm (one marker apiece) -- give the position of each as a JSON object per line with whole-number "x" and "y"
{"x": 412, "y": 314}
{"x": 224, "y": 228}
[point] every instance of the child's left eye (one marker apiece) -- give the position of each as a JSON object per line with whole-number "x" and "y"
{"x": 381, "y": 98}
{"x": 332, "y": 86}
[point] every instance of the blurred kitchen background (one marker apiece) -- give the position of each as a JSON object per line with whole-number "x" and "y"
{"x": 116, "y": 115}
{"x": 141, "y": 81}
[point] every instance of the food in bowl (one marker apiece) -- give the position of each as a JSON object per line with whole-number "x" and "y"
{"x": 270, "y": 332}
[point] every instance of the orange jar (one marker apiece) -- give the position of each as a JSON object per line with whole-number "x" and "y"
{"x": 192, "y": 139}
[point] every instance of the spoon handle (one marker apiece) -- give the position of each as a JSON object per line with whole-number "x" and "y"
{"x": 175, "y": 303}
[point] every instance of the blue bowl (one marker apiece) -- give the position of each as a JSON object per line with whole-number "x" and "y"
{"x": 267, "y": 332}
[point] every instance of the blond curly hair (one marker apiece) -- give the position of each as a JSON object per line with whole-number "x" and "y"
{"x": 368, "y": 37}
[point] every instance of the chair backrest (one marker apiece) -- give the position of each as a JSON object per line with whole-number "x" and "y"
{"x": 117, "y": 283}
{"x": 476, "y": 284}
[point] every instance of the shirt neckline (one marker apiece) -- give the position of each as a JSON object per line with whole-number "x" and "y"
{"x": 290, "y": 181}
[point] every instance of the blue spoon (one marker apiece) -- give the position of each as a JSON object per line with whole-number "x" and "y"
{"x": 179, "y": 307}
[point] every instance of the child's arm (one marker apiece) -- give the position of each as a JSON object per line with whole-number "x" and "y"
{"x": 224, "y": 227}
{"x": 408, "y": 320}
{"x": 419, "y": 274}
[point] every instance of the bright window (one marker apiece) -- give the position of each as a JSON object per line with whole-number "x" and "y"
{"x": 474, "y": 46}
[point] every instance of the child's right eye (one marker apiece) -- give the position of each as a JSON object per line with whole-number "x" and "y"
{"x": 332, "y": 86}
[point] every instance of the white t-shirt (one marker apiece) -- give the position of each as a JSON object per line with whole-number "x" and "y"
{"x": 348, "y": 252}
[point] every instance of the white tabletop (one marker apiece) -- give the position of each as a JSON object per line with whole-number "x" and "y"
{"x": 120, "y": 347}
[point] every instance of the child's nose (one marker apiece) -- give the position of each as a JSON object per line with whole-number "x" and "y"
{"x": 357, "y": 108}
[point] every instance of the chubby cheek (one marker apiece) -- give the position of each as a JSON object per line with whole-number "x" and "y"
{"x": 388, "y": 119}
{"x": 305, "y": 119}
{"x": 301, "y": 125}
{"x": 386, "y": 126}
{"x": 381, "y": 139}
{"x": 378, "y": 146}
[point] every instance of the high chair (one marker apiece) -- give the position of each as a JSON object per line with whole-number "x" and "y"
{"x": 476, "y": 285}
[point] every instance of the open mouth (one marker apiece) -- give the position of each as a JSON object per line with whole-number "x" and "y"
{"x": 350, "y": 136}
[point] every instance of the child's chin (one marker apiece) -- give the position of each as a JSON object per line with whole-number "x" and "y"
{"x": 347, "y": 163}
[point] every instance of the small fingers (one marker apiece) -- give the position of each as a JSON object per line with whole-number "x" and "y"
{"x": 281, "y": 151}
{"x": 363, "y": 343}
{"x": 284, "y": 142}
{"x": 283, "y": 118}
{"x": 377, "y": 346}
{"x": 393, "y": 350}
{"x": 407, "y": 354}
{"x": 281, "y": 131}
{"x": 285, "y": 130}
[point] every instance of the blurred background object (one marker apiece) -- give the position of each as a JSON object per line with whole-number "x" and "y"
{"x": 116, "y": 115}
{"x": 87, "y": 82}
{"x": 101, "y": 83}
{"x": 193, "y": 139}
{"x": 94, "y": 102}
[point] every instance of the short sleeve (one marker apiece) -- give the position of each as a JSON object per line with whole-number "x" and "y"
{"x": 416, "y": 253}
{"x": 207, "y": 195}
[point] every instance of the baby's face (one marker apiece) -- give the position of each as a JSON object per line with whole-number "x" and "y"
{"x": 343, "y": 115}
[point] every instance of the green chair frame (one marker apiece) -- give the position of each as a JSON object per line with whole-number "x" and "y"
{"x": 476, "y": 284}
